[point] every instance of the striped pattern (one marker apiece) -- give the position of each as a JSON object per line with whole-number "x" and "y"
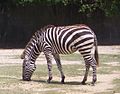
{"x": 61, "y": 40}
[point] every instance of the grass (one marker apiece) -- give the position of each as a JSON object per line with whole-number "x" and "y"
{"x": 117, "y": 83}
{"x": 102, "y": 57}
{"x": 10, "y": 77}
{"x": 70, "y": 70}
{"x": 11, "y": 83}
{"x": 72, "y": 57}
{"x": 115, "y": 90}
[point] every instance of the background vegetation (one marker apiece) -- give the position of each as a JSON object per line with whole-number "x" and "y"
{"x": 110, "y": 7}
{"x": 20, "y": 18}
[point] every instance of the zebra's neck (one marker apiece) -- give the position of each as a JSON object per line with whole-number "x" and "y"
{"x": 32, "y": 49}
{"x": 32, "y": 53}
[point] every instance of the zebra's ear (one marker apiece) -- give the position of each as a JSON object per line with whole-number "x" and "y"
{"x": 22, "y": 55}
{"x": 38, "y": 33}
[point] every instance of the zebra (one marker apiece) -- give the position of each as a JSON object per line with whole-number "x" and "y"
{"x": 54, "y": 40}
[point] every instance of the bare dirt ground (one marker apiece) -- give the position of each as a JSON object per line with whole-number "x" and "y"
{"x": 8, "y": 56}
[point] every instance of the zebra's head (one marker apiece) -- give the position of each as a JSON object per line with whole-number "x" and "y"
{"x": 28, "y": 69}
{"x": 30, "y": 54}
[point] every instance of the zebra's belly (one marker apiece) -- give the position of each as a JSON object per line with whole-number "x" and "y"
{"x": 63, "y": 51}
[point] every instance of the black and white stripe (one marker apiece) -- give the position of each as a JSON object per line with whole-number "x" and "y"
{"x": 54, "y": 40}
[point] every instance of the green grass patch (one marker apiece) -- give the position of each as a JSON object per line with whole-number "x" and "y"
{"x": 11, "y": 74}
{"x": 72, "y": 57}
{"x": 102, "y": 57}
{"x": 11, "y": 70}
{"x": 105, "y": 92}
{"x": 69, "y": 70}
{"x": 109, "y": 58}
{"x": 117, "y": 87}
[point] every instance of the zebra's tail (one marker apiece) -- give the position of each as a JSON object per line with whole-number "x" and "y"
{"x": 96, "y": 51}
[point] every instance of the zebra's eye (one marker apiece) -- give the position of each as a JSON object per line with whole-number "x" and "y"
{"x": 25, "y": 64}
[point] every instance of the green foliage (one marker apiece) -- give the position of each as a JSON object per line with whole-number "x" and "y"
{"x": 110, "y": 7}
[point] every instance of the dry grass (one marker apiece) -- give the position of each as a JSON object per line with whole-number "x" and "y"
{"x": 108, "y": 75}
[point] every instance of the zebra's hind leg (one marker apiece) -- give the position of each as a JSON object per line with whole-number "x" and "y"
{"x": 93, "y": 65}
{"x": 91, "y": 62}
{"x": 49, "y": 64}
{"x": 86, "y": 73}
{"x": 57, "y": 59}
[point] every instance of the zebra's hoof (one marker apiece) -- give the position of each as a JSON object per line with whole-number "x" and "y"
{"x": 83, "y": 83}
{"x": 49, "y": 79}
{"x": 62, "y": 81}
{"x": 92, "y": 84}
{"x": 26, "y": 79}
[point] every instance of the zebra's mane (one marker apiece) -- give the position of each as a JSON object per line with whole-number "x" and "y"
{"x": 34, "y": 37}
{"x": 46, "y": 27}
{"x": 75, "y": 25}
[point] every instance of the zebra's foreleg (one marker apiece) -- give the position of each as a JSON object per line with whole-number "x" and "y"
{"x": 49, "y": 64}
{"x": 58, "y": 62}
{"x": 86, "y": 73}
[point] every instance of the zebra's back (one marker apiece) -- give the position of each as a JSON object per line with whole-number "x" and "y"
{"x": 68, "y": 39}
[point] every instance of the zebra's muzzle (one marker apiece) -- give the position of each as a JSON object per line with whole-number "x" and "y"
{"x": 26, "y": 76}
{"x": 26, "y": 79}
